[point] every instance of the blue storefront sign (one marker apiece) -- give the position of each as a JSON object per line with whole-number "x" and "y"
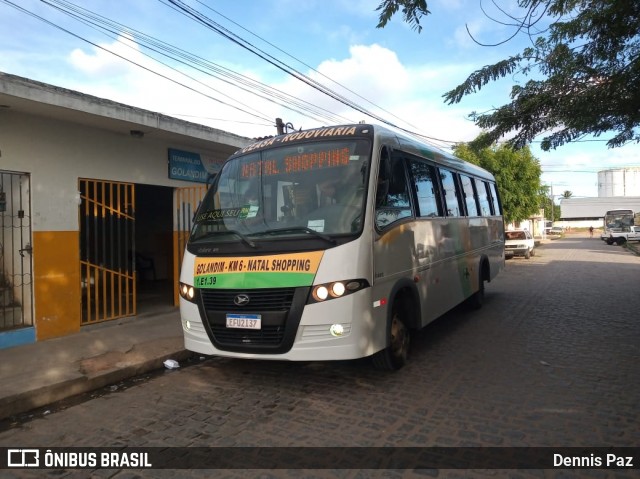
{"x": 186, "y": 166}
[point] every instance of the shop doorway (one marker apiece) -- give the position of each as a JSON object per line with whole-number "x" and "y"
{"x": 126, "y": 250}
{"x": 107, "y": 240}
{"x": 154, "y": 249}
{"x": 16, "y": 293}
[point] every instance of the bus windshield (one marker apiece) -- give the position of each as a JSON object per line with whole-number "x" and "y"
{"x": 314, "y": 188}
{"x": 619, "y": 220}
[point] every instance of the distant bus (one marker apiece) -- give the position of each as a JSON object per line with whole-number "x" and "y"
{"x": 336, "y": 243}
{"x": 619, "y": 221}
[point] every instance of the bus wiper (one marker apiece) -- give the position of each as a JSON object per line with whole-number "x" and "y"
{"x": 306, "y": 230}
{"x": 244, "y": 239}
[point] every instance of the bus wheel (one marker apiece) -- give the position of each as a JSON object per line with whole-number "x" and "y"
{"x": 396, "y": 354}
{"x": 476, "y": 300}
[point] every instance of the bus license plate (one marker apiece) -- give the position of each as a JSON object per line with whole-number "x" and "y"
{"x": 244, "y": 321}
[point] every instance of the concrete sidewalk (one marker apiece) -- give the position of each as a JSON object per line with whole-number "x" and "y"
{"x": 41, "y": 373}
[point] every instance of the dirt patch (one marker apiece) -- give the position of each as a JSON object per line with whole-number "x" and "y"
{"x": 138, "y": 354}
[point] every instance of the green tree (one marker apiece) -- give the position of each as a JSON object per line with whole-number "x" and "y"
{"x": 517, "y": 173}
{"x": 584, "y": 73}
{"x": 567, "y": 194}
{"x": 412, "y": 10}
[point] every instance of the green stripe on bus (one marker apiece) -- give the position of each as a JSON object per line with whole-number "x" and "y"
{"x": 255, "y": 280}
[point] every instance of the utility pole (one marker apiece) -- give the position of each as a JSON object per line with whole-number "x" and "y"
{"x": 553, "y": 205}
{"x": 279, "y": 126}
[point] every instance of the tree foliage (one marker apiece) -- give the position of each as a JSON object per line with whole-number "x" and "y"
{"x": 412, "y": 11}
{"x": 584, "y": 72}
{"x": 517, "y": 174}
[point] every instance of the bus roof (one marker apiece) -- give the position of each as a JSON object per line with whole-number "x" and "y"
{"x": 385, "y": 135}
{"x": 619, "y": 212}
{"x": 420, "y": 148}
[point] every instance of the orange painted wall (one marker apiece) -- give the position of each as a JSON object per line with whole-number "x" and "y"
{"x": 56, "y": 279}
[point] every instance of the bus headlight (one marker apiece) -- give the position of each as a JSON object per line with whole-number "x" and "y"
{"x": 320, "y": 293}
{"x": 336, "y": 289}
{"x": 187, "y": 291}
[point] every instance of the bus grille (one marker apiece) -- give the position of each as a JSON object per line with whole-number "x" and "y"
{"x": 268, "y": 335}
{"x": 274, "y": 305}
{"x": 261, "y": 299}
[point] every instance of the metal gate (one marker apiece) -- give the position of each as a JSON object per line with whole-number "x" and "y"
{"x": 15, "y": 252}
{"x": 186, "y": 201}
{"x": 107, "y": 250}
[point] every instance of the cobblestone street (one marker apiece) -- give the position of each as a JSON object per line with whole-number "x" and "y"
{"x": 550, "y": 360}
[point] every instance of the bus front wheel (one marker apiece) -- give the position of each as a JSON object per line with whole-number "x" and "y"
{"x": 396, "y": 354}
{"x": 476, "y": 300}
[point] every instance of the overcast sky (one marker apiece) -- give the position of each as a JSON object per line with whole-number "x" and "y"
{"x": 395, "y": 73}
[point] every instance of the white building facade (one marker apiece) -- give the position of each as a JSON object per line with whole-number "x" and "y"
{"x": 96, "y": 201}
{"x": 585, "y": 212}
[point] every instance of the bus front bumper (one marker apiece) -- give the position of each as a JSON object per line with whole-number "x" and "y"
{"x": 363, "y": 331}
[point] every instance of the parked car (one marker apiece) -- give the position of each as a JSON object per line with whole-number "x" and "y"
{"x": 519, "y": 243}
{"x": 556, "y": 231}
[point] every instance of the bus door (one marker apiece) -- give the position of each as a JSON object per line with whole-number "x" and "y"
{"x": 395, "y": 250}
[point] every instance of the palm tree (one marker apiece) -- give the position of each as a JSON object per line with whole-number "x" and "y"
{"x": 567, "y": 194}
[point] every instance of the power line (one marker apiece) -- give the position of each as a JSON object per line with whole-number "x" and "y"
{"x": 107, "y": 27}
{"x": 199, "y": 17}
{"x": 27, "y": 12}
{"x": 193, "y": 61}
{"x": 97, "y": 22}
{"x": 303, "y": 63}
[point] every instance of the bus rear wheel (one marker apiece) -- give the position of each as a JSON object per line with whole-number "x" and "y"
{"x": 396, "y": 354}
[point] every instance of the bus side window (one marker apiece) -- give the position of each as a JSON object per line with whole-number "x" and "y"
{"x": 469, "y": 195}
{"x": 483, "y": 198}
{"x": 494, "y": 199}
{"x": 423, "y": 175}
{"x": 450, "y": 192}
{"x": 392, "y": 194}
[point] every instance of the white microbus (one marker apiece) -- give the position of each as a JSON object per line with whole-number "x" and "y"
{"x": 618, "y": 221}
{"x": 336, "y": 243}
